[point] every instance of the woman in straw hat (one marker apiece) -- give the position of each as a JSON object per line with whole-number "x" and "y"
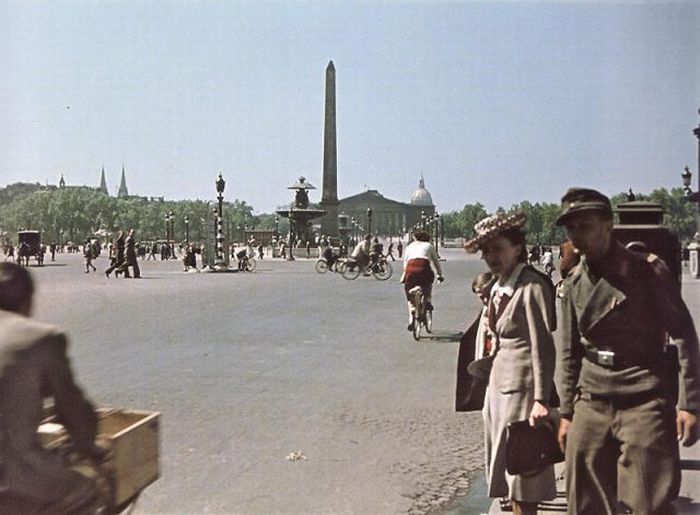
{"x": 521, "y": 319}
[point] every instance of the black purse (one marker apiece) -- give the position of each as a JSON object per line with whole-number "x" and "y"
{"x": 530, "y": 449}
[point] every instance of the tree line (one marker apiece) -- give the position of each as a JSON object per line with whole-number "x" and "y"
{"x": 541, "y": 216}
{"x": 74, "y": 214}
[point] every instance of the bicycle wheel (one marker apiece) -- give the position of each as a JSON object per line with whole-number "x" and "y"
{"x": 250, "y": 264}
{"x": 415, "y": 318}
{"x": 428, "y": 320}
{"x": 340, "y": 266}
{"x": 321, "y": 266}
{"x": 382, "y": 271}
{"x": 351, "y": 272}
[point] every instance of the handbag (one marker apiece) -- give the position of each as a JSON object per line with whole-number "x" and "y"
{"x": 530, "y": 449}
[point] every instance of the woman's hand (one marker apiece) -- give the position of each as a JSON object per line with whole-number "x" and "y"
{"x": 539, "y": 414}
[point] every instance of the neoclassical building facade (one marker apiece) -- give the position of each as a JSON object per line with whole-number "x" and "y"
{"x": 389, "y": 217}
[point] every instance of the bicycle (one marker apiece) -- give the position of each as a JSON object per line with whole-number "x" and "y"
{"x": 381, "y": 269}
{"x": 422, "y": 314}
{"x": 322, "y": 266}
{"x": 246, "y": 263}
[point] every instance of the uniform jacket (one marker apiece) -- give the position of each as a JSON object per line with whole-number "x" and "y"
{"x": 119, "y": 244}
{"x": 628, "y": 310}
{"x": 34, "y": 365}
{"x": 525, "y": 355}
{"x": 130, "y": 249}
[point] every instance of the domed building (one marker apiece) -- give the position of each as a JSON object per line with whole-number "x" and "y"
{"x": 389, "y": 217}
{"x": 422, "y": 197}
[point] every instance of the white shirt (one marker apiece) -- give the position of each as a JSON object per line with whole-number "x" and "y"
{"x": 422, "y": 250}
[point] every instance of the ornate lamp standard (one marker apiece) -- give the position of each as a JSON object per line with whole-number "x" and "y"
{"x": 442, "y": 230}
{"x": 436, "y": 227}
{"x": 277, "y": 228}
{"x": 422, "y": 219}
{"x": 353, "y": 225}
{"x": 167, "y": 230}
{"x": 369, "y": 220}
{"x": 187, "y": 230}
{"x": 693, "y": 196}
{"x": 219, "y": 263}
{"x": 172, "y": 234}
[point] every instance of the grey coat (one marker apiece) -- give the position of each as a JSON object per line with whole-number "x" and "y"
{"x": 33, "y": 366}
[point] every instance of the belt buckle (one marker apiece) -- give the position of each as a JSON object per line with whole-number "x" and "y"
{"x": 606, "y": 358}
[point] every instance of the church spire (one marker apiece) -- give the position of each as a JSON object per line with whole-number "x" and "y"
{"x": 103, "y": 182}
{"x": 123, "y": 192}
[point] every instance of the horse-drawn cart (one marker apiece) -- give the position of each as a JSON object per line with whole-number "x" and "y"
{"x": 29, "y": 245}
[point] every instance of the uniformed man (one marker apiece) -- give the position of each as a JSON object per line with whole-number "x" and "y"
{"x": 619, "y": 426}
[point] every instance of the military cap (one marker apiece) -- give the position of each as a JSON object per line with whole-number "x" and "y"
{"x": 577, "y": 200}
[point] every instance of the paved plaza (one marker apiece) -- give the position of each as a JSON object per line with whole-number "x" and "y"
{"x": 248, "y": 368}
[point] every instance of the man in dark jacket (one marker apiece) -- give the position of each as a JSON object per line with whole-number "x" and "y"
{"x": 130, "y": 257}
{"x": 118, "y": 259}
{"x": 619, "y": 425}
{"x": 33, "y": 366}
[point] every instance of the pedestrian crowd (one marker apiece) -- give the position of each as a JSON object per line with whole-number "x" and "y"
{"x": 611, "y": 387}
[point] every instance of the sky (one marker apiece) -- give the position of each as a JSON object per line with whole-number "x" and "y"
{"x": 493, "y": 102}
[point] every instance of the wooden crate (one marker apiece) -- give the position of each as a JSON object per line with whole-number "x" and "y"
{"x": 134, "y": 438}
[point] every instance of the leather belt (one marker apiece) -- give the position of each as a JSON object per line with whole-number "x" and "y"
{"x": 619, "y": 361}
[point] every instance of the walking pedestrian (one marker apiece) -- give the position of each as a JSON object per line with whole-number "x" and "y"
{"x": 399, "y": 248}
{"x": 620, "y": 424}
{"x": 521, "y": 319}
{"x": 130, "y": 257}
{"x": 390, "y": 251}
{"x": 117, "y": 255}
{"x": 88, "y": 254}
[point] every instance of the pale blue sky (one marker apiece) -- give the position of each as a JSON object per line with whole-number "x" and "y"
{"x": 494, "y": 102}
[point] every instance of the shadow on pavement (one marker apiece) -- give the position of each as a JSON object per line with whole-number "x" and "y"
{"x": 442, "y": 337}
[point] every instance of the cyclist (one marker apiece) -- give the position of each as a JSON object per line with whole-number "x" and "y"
{"x": 361, "y": 252}
{"x": 242, "y": 257}
{"x": 376, "y": 250}
{"x": 417, "y": 270}
{"x": 330, "y": 257}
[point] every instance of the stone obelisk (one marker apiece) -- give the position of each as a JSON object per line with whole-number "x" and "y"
{"x": 329, "y": 198}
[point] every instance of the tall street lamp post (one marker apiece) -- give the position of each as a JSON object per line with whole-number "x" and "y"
{"x": 167, "y": 230}
{"x": 219, "y": 263}
{"x": 277, "y": 228}
{"x": 693, "y": 246}
{"x": 172, "y": 233}
{"x": 422, "y": 219}
{"x": 187, "y": 231}
{"x": 369, "y": 220}
{"x": 442, "y": 230}
{"x": 436, "y": 227}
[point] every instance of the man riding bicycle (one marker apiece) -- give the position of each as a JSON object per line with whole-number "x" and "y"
{"x": 360, "y": 254}
{"x": 418, "y": 256}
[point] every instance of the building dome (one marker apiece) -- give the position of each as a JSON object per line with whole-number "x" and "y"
{"x": 421, "y": 197}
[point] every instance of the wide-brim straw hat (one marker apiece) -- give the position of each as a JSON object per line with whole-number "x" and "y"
{"x": 492, "y": 226}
